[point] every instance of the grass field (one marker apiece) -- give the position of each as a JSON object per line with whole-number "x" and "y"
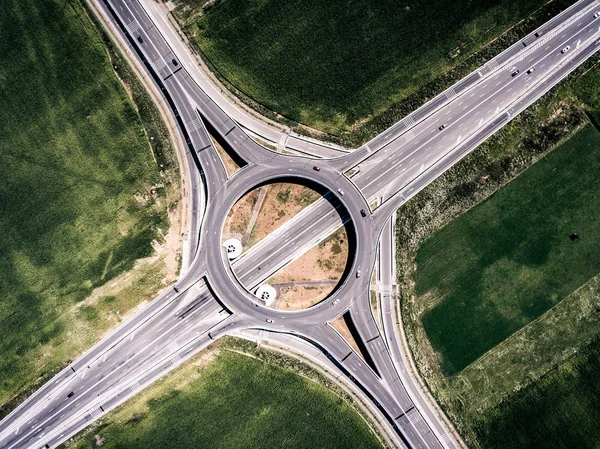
{"x": 75, "y": 203}
{"x": 507, "y": 261}
{"x": 559, "y": 411}
{"x": 332, "y": 64}
{"x": 234, "y": 402}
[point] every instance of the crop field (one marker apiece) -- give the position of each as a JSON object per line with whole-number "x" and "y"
{"x": 76, "y": 207}
{"x": 510, "y": 259}
{"x": 564, "y": 404}
{"x": 233, "y": 401}
{"x": 331, "y": 64}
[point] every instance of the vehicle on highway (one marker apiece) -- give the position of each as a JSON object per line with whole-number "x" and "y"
{"x": 363, "y": 213}
{"x": 316, "y": 168}
{"x": 139, "y": 38}
{"x": 269, "y": 321}
{"x": 341, "y": 192}
{"x": 566, "y": 49}
{"x": 443, "y": 126}
{"x": 531, "y": 70}
{"x": 596, "y": 14}
{"x": 70, "y": 395}
{"x": 174, "y": 61}
{"x": 176, "y": 289}
{"x": 357, "y": 273}
{"x": 515, "y": 73}
{"x": 336, "y": 301}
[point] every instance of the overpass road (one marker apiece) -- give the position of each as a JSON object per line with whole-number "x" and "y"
{"x": 212, "y": 297}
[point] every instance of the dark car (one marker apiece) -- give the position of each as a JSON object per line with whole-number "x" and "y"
{"x": 174, "y": 61}
{"x": 140, "y": 39}
{"x": 70, "y": 395}
{"x": 315, "y": 168}
{"x": 363, "y": 213}
{"x": 515, "y": 73}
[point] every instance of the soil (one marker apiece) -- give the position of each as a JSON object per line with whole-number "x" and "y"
{"x": 326, "y": 261}
{"x": 300, "y": 297}
{"x": 340, "y": 325}
{"x": 282, "y": 202}
{"x": 230, "y": 166}
{"x": 239, "y": 216}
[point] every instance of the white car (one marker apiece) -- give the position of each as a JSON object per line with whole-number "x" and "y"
{"x": 336, "y": 301}
{"x": 566, "y": 49}
{"x": 341, "y": 192}
{"x": 269, "y": 321}
{"x": 596, "y": 14}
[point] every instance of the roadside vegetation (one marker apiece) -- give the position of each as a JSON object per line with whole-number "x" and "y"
{"x": 494, "y": 293}
{"x": 350, "y": 69}
{"x": 564, "y": 403}
{"x": 504, "y": 263}
{"x": 83, "y": 194}
{"x": 311, "y": 277}
{"x": 234, "y": 395}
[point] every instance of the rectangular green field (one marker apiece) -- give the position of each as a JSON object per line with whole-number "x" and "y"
{"x": 235, "y": 402}
{"x": 330, "y": 64}
{"x": 76, "y": 172}
{"x": 560, "y": 411}
{"x": 507, "y": 261}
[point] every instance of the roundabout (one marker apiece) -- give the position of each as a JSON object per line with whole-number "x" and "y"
{"x": 235, "y": 295}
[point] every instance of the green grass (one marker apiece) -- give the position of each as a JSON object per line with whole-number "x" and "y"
{"x": 236, "y": 402}
{"x": 72, "y": 156}
{"x": 507, "y": 261}
{"x": 329, "y": 64}
{"x": 559, "y": 411}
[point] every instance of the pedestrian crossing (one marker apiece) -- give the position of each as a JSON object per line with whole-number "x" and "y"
{"x": 414, "y": 416}
{"x": 492, "y": 64}
{"x": 95, "y": 413}
{"x": 193, "y": 125}
{"x": 132, "y": 26}
{"x": 135, "y": 386}
{"x": 446, "y": 438}
{"x": 159, "y": 64}
{"x": 450, "y": 93}
{"x": 409, "y": 122}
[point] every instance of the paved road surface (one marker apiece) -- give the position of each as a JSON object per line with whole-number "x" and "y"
{"x": 209, "y": 299}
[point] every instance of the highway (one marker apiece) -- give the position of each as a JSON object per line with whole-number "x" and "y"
{"x": 211, "y": 298}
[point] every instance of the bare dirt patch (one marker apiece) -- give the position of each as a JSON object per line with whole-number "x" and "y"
{"x": 281, "y": 203}
{"x": 239, "y": 216}
{"x": 230, "y": 165}
{"x": 316, "y": 273}
{"x": 298, "y": 297}
{"x": 340, "y": 325}
{"x": 326, "y": 261}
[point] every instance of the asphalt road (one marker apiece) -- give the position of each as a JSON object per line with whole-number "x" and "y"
{"x": 209, "y": 300}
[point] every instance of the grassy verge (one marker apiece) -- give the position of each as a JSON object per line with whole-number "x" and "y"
{"x": 341, "y": 68}
{"x": 83, "y": 193}
{"x": 224, "y": 399}
{"x": 564, "y": 403}
{"x": 521, "y": 234}
{"x": 529, "y": 353}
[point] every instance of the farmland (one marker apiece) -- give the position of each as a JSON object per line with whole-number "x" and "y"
{"x": 564, "y": 403}
{"x": 522, "y": 234}
{"x": 81, "y": 197}
{"x": 333, "y": 64}
{"x": 228, "y": 400}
